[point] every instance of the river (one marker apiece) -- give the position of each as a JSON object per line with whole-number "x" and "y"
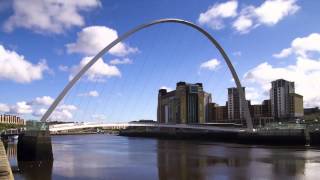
{"x": 115, "y": 157}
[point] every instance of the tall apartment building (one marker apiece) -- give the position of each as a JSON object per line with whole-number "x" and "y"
{"x": 235, "y": 108}
{"x": 187, "y": 104}
{"x": 285, "y": 104}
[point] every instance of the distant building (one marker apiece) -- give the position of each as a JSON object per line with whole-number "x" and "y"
{"x": 261, "y": 113}
{"x": 11, "y": 119}
{"x": 266, "y": 108}
{"x": 296, "y": 105}
{"x": 235, "y": 107}
{"x": 217, "y": 113}
{"x": 285, "y": 104}
{"x": 308, "y": 111}
{"x": 187, "y": 104}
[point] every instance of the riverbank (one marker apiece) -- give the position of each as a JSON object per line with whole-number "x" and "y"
{"x": 5, "y": 169}
{"x": 289, "y": 137}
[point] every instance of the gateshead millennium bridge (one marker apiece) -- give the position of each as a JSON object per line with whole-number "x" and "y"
{"x": 247, "y": 115}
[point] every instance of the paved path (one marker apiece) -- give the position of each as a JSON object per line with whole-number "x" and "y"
{"x": 5, "y": 169}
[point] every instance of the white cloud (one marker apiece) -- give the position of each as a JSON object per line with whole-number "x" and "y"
{"x": 210, "y": 65}
{"x": 272, "y": 11}
{"x": 39, "y": 112}
{"x": 90, "y": 94}
{"x": 4, "y": 108}
{"x": 44, "y": 100}
{"x": 21, "y": 107}
{"x": 118, "y": 61}
{"x": 98, "y": 71}
{"x": 93, "y": 39}
{"x": 245, "y": 22}
{"x": 14, "y": 67}
{"x": 302, "y": 46}
{"x": 214, "y": 16}
{"x": 63, "y": 68}
{"x": 63, "y": 112}
{"x": 53, "y": 16}
{"x": 269, "y": 13}
{"x": 253, "y": 95}
{"x": 305, "y": 73}
{"x": 284, "y": 53}
{"x": 167, "y": 88}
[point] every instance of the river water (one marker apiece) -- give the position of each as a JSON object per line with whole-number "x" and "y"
{"x": 116, "y": 157}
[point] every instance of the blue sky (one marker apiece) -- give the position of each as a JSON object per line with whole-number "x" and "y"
{"x": 44, "y": 45}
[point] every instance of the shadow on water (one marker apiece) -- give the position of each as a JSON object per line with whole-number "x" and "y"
{"x": 28, "y": 170}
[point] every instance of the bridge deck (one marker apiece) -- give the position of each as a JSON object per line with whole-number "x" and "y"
{"x": 5, "y": 169}
{"x": 72, "y": 126}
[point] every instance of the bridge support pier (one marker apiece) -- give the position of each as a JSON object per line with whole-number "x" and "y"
{"x": 35, "y": 146}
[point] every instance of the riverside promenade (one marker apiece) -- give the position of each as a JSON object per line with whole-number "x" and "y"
{"x": 5, "y": 169}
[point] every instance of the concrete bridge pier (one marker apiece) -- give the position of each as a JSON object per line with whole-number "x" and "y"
{"x": 35, "y": 146}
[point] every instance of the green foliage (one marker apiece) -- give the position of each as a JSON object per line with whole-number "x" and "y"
{"x": 9, "y": 126}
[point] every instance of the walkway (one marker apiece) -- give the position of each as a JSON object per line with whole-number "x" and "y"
{"x": 5, "y": 169}
{"x": 73, "y": 126}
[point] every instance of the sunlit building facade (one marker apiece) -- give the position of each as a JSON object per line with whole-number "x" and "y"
{"x": 11, "y": 119}
{"x": 188, "y": 104}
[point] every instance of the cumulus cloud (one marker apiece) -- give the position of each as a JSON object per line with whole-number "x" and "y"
{"x": 301, "y": 46}
{"x": 4, "y": 108}
{"x": 305, "y": 73}
{"x": 92, "y": 39}
{"x": 118, "y": 61}
{"x": 272, "y": 11}
{"x": 44, "y": 101}
{"x": 53, "y": 16}
{"x": 39, "y": 112}
{"x": 269, "y": 13}
{"x": 21, "y": 107}
{"x": 98, "y": 71}
{"x": 16, "y": 68}
{"x": 90, "y": 94}
{"x": 245, "y": 21}
{"x": 284, "y": 53}
{"x": 63, "y": 112}
{"x": 211, "y": 65}
{"x": 214, "y": 16}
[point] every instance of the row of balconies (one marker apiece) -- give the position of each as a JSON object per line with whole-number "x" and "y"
{"x": 10, "y": 119}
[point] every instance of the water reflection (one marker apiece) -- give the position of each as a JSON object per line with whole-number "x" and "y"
{"x": 114, "y": 157}
{"x": 28, "y": 170}
{"x": 196, "y": 160}
{"x": 35, "y": 170}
